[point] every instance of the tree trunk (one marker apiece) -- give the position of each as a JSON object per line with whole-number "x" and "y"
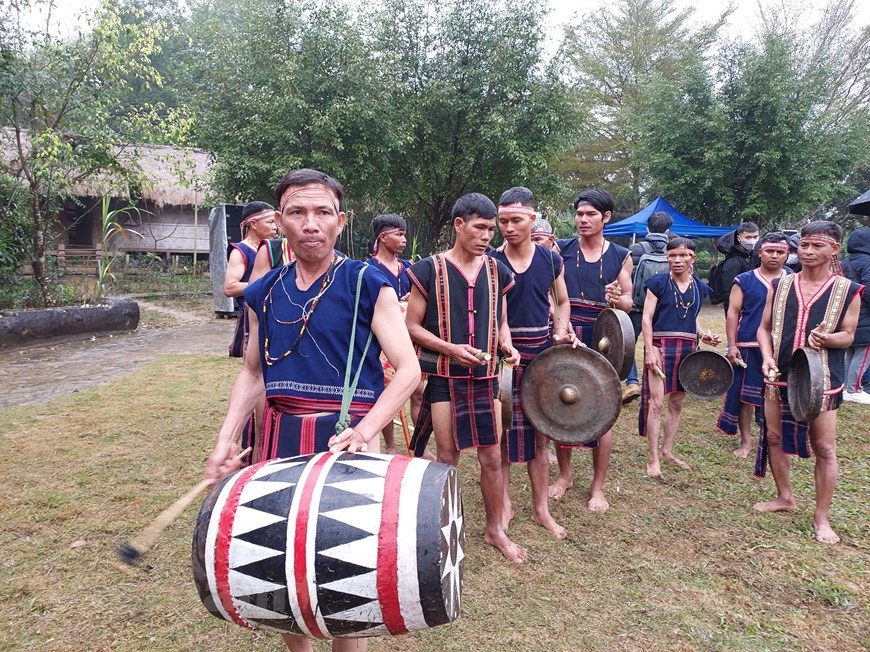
{"x": 37, "y": 263}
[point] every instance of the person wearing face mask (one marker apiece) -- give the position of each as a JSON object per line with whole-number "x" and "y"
{"x": 792, "y": 261}
{"x": 737, "y": 246}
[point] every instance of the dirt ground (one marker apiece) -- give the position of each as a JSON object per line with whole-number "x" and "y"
{"x": 35, "y": 375}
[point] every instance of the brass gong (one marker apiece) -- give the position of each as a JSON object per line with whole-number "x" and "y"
{"x": 613, "y": 337}
{"x": 806, "y": 384}
{"x": 706, "y": 374}
{"x": 573, "y": 396}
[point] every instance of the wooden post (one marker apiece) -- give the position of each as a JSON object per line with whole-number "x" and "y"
{"x": 61, "y": 257}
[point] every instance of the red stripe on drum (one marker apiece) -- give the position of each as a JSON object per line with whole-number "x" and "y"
{"x": 406, "y": 541}
{"x": 388, "y": 554}
{"x": 222, "y": 545}
{"x": 308, "y": 485}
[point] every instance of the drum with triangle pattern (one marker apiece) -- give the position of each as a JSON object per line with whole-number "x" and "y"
{"x": 333, "y": 545}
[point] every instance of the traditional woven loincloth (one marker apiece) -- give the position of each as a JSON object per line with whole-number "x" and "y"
{"x": 474, "y": 418}
{"x": 674, "y": 350}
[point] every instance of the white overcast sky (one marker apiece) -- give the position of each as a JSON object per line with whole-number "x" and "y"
{"x": 66, "y": 14}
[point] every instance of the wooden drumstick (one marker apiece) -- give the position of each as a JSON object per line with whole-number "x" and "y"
{"x": 130, "y": 551}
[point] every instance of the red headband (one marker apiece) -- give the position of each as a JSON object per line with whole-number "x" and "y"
{"x": 292, "y": 190}
{"x": 523, "y": 211}
{"x": 383, "y": 233}
{"x": 820, "y": 237}
{"x": 542, "y": 233}
{"x": 266, "y": 212}
{"x": 779, "y": 246}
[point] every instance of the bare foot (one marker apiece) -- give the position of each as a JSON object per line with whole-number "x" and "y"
{"x": 676, "y": 460}
{"x": 825, "y": 533}
{"x": 391, "y": 450}
{"x": 547, "y": 522}
{"x": 558, "y": 488}
{"x": 510, "y": 550}
{"x": 507, "y": 515}
{"x": 776, "y": 505}
{"x": 654, "y": 470}
{"x": 742, "y": 452}
{"x": 598, "y": 503}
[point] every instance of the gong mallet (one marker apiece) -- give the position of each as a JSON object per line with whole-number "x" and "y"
{"x": 130, "y": 551}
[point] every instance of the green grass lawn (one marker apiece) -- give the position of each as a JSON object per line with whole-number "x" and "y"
{"x": 678, "y": 564}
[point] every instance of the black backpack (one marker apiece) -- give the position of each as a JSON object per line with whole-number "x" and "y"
{"x": 720, "y": 290}
{"x": 718, "y": 293}
{"x": 652, "y": 262}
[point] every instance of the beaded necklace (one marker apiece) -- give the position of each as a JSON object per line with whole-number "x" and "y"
{"x": 600, "y": 265}
{"x": 678, "y": 296}
{"x": 305, "y": 317}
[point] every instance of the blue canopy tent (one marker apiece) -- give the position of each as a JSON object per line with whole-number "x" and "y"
{"x": 683, "y": 225}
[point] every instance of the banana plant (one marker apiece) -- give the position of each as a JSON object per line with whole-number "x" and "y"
{"x": 111, "y": 229}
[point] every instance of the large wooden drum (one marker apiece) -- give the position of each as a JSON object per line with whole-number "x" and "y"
{"x": 333, "y": 545}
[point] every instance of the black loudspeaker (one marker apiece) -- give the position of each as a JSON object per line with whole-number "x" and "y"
{"x": 224, "y": 227}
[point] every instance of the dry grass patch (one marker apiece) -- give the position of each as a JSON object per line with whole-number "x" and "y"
{"x": 681, "y": 564}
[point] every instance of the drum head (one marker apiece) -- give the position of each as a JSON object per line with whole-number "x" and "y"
{"x": 706, "y": 374}
{"x": 506, "y": 395}
{"x": 613, "y": 337}
{"x": 806, "y": 384}
{"x": 572, "y": 396}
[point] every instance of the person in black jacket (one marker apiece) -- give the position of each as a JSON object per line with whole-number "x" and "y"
{"x": 737, "y": 247}
{"x": 856, "y": 267}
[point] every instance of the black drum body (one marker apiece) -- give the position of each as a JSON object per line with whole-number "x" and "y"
{"x": 333, "y": 545}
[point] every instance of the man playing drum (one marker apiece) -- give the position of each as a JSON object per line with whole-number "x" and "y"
{"x": 819, "y": 309}
{"x": 598, "y": 276}
{"x": 670, "y": 331}
{"x": 314, "y": 321}
{"x": 457, "y": 318}
{"x": 745, "y": 308}
{"x": 537, "y": 272}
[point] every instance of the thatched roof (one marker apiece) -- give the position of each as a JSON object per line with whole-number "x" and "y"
{"x": 169, "y": 176}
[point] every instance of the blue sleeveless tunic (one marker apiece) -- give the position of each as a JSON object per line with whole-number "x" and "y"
{"x": 748, "y": 384}
{"x": 585, "y": 282}
{"x": 401, "y": 283}
{"x": 310, "y": 379}
{"x": 528, "y": 315}
{"x": 240, "y": 336}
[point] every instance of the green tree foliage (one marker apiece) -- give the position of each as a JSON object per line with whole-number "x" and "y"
{"x": 772, "y": 134}
{"x": 612, "y": 55}
{"x": 477, "y": 108}
{"x": 410, "y": 105}
{"x": 65, "y": 119}
{"x": 282, "y": 85}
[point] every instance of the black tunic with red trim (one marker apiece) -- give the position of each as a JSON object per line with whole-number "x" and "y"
{"x": 461, "y": 310}
{"x": 794, "y": 314}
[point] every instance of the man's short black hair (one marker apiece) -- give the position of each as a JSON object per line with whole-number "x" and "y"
{"x": 254, "y": 207}
{"x": 517, "y": 195}
{"x": 747, "y": 227}
{"x": 823, "y": 227}
{"x": 388, "y": 221}
{"x": 659, "y": 222}
{"x": 600, "y": 200}
{"x": 774, "y": 236}
{"x": 307, "y": 177}
{"x": 680, "y": 241}
{"x": 476, "y": 204}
